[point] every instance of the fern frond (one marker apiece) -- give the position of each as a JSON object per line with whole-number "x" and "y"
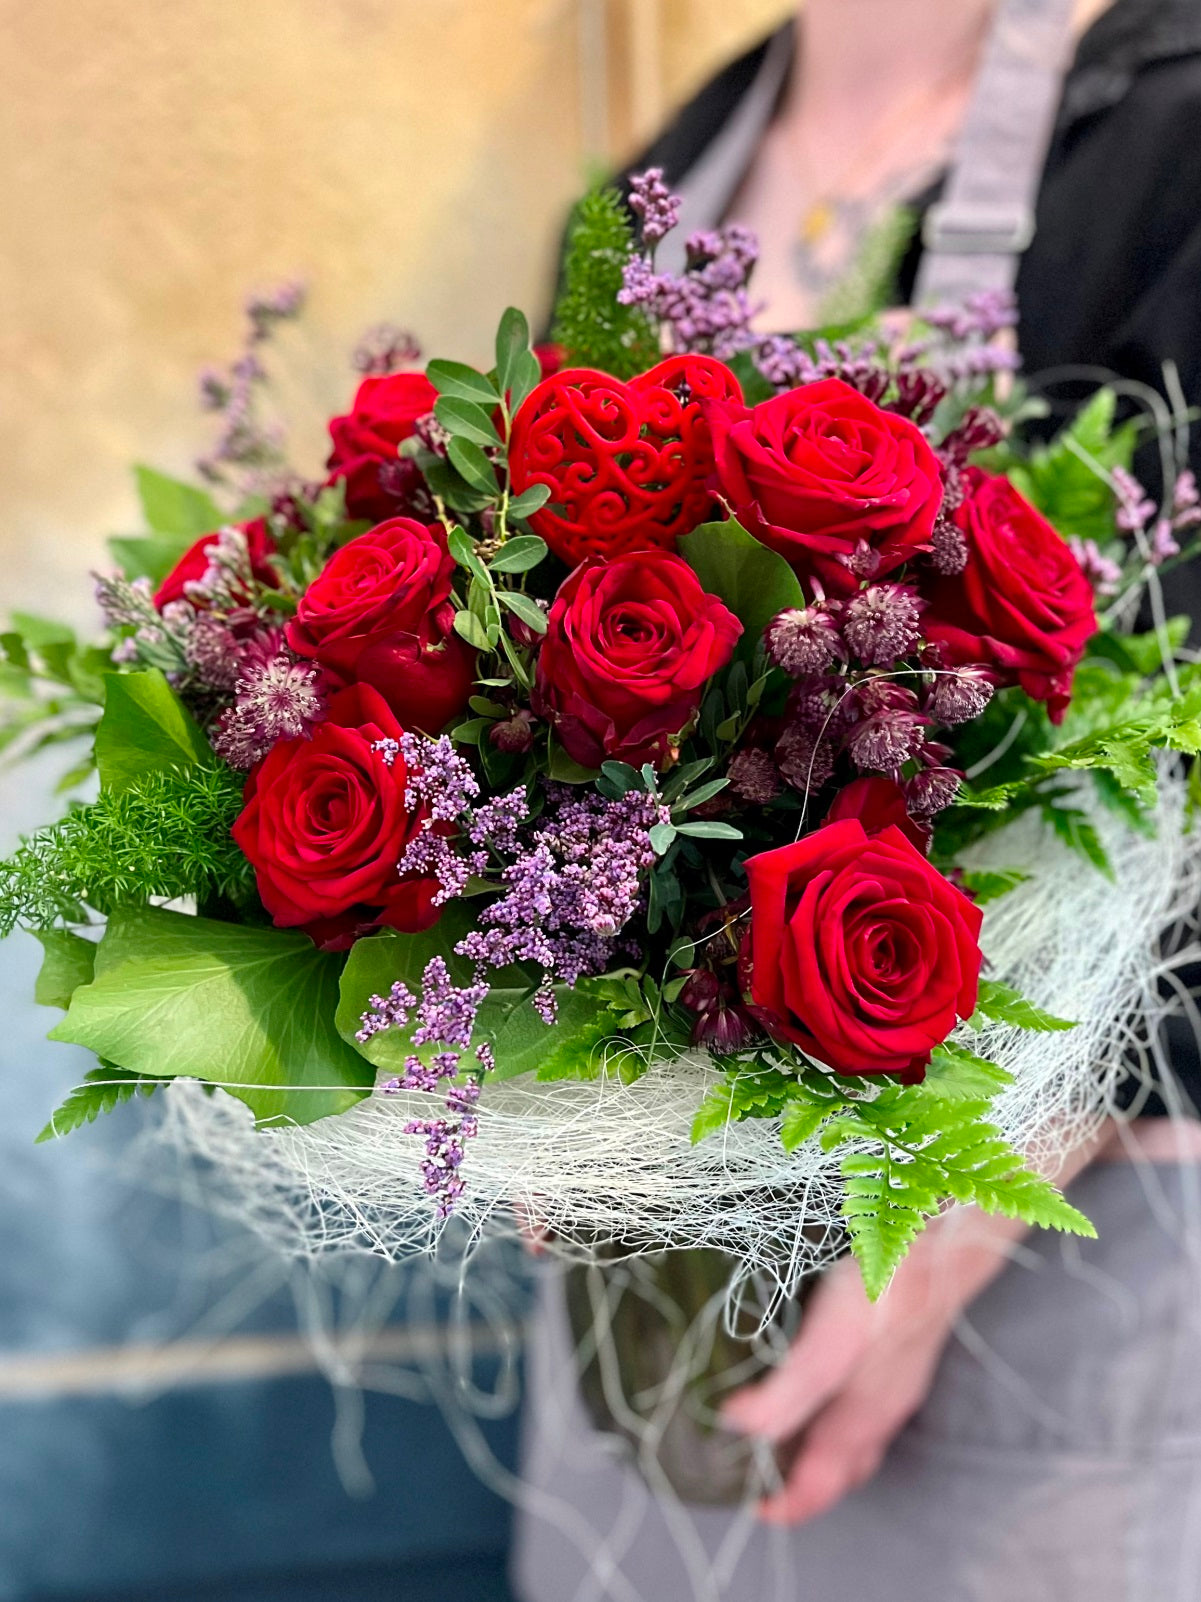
{"x": 103, "y": 1089}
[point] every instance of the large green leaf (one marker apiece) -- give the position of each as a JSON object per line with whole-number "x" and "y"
{"x": 145, "y": 729}
{"x": 149, "y": 556}
{"x": 249, "y": 1009}
{"x": 68, "y": 961}
{"x": 520, "y": 1040}
{"x": 172, "y": 507}
{"x": 754, "y": 583}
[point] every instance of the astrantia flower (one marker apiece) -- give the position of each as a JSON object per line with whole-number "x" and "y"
{"x": 958, "y": 696}
{"x": 276, "y": 699}
{"x": 803, "y": 639}
{"x": 882, "y": 623}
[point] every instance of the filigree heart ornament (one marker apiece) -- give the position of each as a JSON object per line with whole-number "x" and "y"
{"x": 627, "y": 464}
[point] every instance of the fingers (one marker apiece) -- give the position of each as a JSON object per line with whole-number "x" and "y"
{"x": 835, "y": 1331}
{"x": 847, "y": 1441}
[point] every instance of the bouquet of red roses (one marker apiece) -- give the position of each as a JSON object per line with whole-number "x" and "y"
{"x": 636, "y": 784}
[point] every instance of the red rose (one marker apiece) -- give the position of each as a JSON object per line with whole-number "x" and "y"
{"x": 861, "y": 952}
{"x": 878, "y": 804}
{"x": 192, "y": 565}
{"x": 380, "y": 613}
{"x": 1022, "y": 605}
{"x": 825, "y": 477}
{"x": 629, "y": 647}
{"x": 324, "y": 826}
{"x": 385, "y": 411}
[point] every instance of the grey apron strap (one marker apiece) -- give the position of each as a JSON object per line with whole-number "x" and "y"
{"x": 985, "y": 220}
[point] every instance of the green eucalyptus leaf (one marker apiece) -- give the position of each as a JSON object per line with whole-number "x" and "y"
{"x": 472, "y": 630}
{"x": 474, "y": 467}
{"x": 527, "y": 375}
{"x": 462, "y": 382}
{"x": 465, "y": 420}
{"x": 525, "y": 607}
{"x": 519, "y": 554}
{"x": 709, "y": 831}
{"x": 529, "y": 501}
{"x": 512, "y": 342}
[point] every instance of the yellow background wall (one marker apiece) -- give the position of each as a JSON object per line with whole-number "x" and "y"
{"x": 410, "y": 159}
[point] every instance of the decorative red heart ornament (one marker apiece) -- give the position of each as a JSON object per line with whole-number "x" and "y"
{"x": 627, "y": 464}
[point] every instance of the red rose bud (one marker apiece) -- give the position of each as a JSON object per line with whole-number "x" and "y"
{"x": 194, "y": 563}
{"x": 522, "y": 634}
{"x": 384, "y": 412}
{"x": 325, "y": 823}
{"x": 1022, "y": 607}
{"x": 627, "y": 464}
{"x": 629, "y": 648}
{"x": 836, "y": 485}
{"x": 861, "y": 953}
{"x": 380, "y": 613}
{"x": 878, "y": 803}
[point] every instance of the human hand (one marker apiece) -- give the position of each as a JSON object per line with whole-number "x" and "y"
{"x": 858, "y": 1371}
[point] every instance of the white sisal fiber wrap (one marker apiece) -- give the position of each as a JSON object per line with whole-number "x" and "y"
{"x": 614, "y": 1161}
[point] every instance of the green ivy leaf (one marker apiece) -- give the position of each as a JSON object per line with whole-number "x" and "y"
{"x": 1004, "y": 1005}
{"x": 172, "y": 507}
{"x": 68, "y": 961}
{"x": 250, "y": 1009}
{"x": 753, "y": 582}
{"x": 145, "y": 729}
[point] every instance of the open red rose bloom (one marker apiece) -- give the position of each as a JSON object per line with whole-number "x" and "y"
{"x": 861, "y": 952}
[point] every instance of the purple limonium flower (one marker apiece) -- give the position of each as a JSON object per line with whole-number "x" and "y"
{"x": 1135, "y": 509}
{"x": 1104, "y": 574}
{"x": 653, "y": 203}
{"x": 439, "y": 778}
{"x": 444, "y": 1016}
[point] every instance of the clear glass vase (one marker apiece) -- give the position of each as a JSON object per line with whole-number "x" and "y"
{"x": 656, "y": 1359}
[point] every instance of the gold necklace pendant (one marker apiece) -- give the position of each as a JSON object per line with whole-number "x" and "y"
{"x": 817, "y": 223}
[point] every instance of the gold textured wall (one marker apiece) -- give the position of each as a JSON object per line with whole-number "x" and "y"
{"x": 410, "y": 159}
